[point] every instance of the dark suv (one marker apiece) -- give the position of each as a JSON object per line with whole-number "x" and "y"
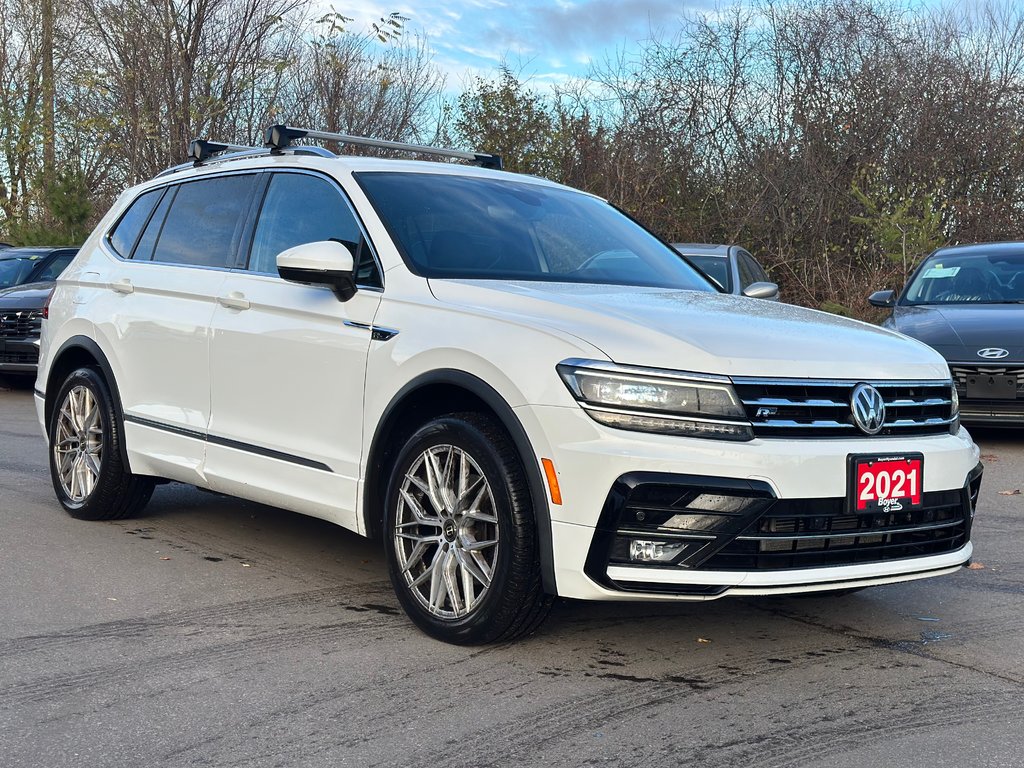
{"x": 26, "y": 277}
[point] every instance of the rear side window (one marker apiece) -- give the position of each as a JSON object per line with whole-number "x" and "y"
{"x": 302, "y": 209}
{"x": 52, "y": 269}
{"x": 126, "y": 233}
{"x": 205, "y": 219}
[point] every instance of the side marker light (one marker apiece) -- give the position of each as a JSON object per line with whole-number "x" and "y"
{"x": 552, "y": 476}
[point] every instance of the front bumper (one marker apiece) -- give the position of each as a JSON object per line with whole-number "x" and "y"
{"x": 19, "y": 355}
{"x": 590, "y": 460}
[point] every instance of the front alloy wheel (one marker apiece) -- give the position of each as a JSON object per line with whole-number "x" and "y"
{"x": 461, "y": 533}
{"x": 446, "y": 533}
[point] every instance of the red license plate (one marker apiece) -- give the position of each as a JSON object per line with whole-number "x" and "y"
{"x": 886, "y": 483}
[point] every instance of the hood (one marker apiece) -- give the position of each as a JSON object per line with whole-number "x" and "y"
{"x": 28, "y": 296}
{"x": 958, "y": 331}
{"x": 703, "y": 332}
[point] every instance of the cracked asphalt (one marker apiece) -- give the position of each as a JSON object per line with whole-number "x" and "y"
{"x": 217, "y": 632}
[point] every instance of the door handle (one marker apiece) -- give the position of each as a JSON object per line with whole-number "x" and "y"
{"x": 234, "y": 300}
{"x": 124, "y": 285}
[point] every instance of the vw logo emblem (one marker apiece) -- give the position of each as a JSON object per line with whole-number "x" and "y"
{"x": 868, "y": 409}
{"x": 993, "y": 353}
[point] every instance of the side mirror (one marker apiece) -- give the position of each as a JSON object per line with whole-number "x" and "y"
{"x": 882, "y": 299}
{"x": 325, "y": 262}
{"x": 768, "y": 291}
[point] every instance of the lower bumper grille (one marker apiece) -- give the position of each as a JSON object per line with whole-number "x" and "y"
{"x": 816, "y": 533}
{"x": 687, "y": 523}
{"x": 29, "y": 357}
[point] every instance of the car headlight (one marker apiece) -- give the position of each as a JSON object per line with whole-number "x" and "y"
{"x": 665, "y": 402}
{"x": 954, "y": 410}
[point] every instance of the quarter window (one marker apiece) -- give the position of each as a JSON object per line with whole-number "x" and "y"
{"x": 126, "y": 233}
{"x": 204, "y": 222}
{"x": 302, "y": 209}
{"x": 144, "y": 249}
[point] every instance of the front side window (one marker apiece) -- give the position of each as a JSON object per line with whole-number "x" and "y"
{"x": 977, "y": 277}
{"x": 300, "y": 209}
{"x": 487, "y": 228}
{"x": 50, "y": 271}
{"x": 756, "y": 270}
{"x": 715, "y": 267}
{"x": 204, "y": 222}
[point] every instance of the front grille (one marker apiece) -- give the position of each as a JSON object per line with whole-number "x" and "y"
{"x": 961, "y": 373}
{"x": 809, "y": 533}
{"x": 20, "y": 323}
{"x": 818, "y": 408}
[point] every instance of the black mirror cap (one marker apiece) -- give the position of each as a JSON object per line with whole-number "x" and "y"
{"x": 342, "y": 283}
{"x": 885, "y": 299}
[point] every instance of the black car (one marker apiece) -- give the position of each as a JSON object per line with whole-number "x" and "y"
{"x": 26, "y": 277}
{"x": 967, "y": 302}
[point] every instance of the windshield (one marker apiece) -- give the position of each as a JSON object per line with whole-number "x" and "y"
{"x": 974, "y": 277}
{"x": 15, "y": 270}
{"x": 498, "y": 229}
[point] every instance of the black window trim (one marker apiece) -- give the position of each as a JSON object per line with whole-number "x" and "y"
{"x": 243, "y": 263}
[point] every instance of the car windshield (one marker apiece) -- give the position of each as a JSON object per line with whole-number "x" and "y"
{"x": 977, "y": 277}
{"x": 14, "y": 270}
{"x": 499, "y": 229}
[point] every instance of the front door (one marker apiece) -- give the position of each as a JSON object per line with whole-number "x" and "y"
{"x": 288, "y": 362}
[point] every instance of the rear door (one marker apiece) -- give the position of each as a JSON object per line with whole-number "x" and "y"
{"x": 176, "y": 245}
{"x": 288, "y": 361}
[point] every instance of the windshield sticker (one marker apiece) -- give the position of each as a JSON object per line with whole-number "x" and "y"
{"x": 939, "y": 271}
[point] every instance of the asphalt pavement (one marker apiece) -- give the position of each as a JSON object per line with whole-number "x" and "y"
{"x": 217, "y": 632}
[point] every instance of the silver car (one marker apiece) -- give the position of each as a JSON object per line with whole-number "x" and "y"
{"x": 732, "y": 268}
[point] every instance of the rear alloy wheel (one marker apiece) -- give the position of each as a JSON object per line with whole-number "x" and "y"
{"x": 78, "y": 444}
{"x": 461, "y": 533}
{"x": 86, "y": 467}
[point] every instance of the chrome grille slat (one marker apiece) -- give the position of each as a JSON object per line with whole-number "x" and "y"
{"x": 821, "y": 408}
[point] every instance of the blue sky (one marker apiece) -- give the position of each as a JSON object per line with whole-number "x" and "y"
{"x": 547, "y": 41}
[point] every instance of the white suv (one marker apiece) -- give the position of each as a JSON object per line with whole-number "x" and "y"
{"x": 518, "y": 388}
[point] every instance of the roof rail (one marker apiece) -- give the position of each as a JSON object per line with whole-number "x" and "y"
{"x": 279, "y": 137}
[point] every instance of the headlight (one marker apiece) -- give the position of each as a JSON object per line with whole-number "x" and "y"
{"x": 657, "y": 401}
{"x": 954, "y": 410}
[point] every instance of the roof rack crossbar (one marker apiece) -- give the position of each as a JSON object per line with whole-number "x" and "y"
{"x": 278, "y": 137}
{"x": 200, "y": 150}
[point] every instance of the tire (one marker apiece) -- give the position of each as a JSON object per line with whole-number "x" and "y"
{"x": 89, "y": 476}
{"x": 460, "y": 533}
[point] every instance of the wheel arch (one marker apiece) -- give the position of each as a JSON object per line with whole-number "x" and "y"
{"x": 432, "y": 394}
{"x": 77, "y": 352}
